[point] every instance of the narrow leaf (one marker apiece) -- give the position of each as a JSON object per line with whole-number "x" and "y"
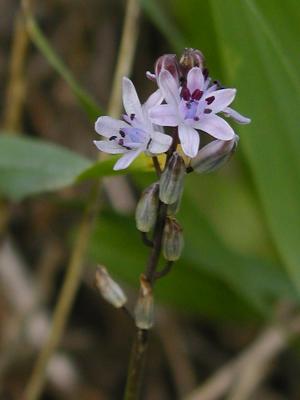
{"x": 87, "y": 102}
{"x": 30, "y": 166}
{"x": 263, "y": 65}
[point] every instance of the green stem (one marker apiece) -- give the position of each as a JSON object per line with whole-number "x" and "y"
{"x": 140, "y": 344}
{"x": 136, "y": 365}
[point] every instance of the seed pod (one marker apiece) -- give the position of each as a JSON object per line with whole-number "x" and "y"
{"x": 214, "y": 155}
{"x": 191, "y": 58}
{"x": 172, "y": 243}
{"x": 109, "y": 289}
{"x": 146, "y": 209}
{"x": 171, "y": 180}
{"x": 144, "y": 309}
{"x": 170, "y": 63}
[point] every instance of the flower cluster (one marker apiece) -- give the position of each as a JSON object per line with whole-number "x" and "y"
{"x": 188, "y": 100}
{"x": 186, "y": 105}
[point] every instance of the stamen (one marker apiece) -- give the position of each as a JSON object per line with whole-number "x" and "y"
{"x": 113, "y": 138}
{"x": 185, "y": 93}
{"x": 197, "y": 94}
{"x": 210, "y": 99}
{"x": 189, "y": 105}
{"x": 205, "y": 73}
{"x": 196, "y": 118}
{"x": 121, "y": 142}
{"x": 122, "y": 133}
{"x": 218, "y": 83}
{"x": 207, "y": 111}
{"x": 132, "y": 116}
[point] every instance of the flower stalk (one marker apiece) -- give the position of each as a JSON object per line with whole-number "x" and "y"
{"x": 140, "y": 344}
{"x": 186, "y": 104}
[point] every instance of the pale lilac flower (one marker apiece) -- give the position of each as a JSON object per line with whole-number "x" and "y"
{"x": 134, "y": 135}
{"x": 194, "y": 106}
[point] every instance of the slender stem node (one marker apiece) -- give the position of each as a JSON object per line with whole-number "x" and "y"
{"x": 156, "y": 165}
{"x": 148, "y": 242}
{"x": 167, "y": 268}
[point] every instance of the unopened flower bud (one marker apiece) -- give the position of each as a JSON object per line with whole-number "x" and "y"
{"x": 191, "y": 58}
{"x": 146, "y": 209}
{"x": 214, "y": 155}
{"x": 144, "y": 310}
{"x": 171, "y": 180}
{"x": 172, "y": 243}
{"x": 168, "y": 62}
{"x": 174, "y": 208}
{"x": 109, "y": 289}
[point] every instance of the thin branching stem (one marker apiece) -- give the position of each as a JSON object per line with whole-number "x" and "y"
{"x": 167, "y": 268}
{"x": 140, "y": 344}
{"x": 148, "y": 242}
{"x": 156, "y": 165}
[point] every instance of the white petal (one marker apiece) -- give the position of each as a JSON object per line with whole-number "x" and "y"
{"x": 107, "y": 126}
{"x": 216, "y": 127}
{"x": 131, "y": 101}
{"x": 237, "y": 117}
{"x": 169, "y": 87}
{"x": 109, "y": 147}
{"x": 164, "y": 115}
{"x": 160, "y": 143}
{"x": 223, "y": 98}
{"x": 155, "y": 99}
{"x": 127, "y": 159}
{"x": 189, "y": 139}
{"x": 195, "y": 79}
{"x": 210, "y": 88}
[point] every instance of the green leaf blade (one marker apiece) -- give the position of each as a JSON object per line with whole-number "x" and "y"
{"x": 31, "y": 166}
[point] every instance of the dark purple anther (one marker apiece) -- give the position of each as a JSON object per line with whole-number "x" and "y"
{"x": 205, "y": 73}
{"x": 113, "y": 138}
{"x": 197, "y": 94}
{"x": 196, "y": 118}
{"x": 122, "y": 133}
{"x": 210, "y": 99}
{"x": 185, "y": 93}
{"x": 121, "y": 142}
{"x": 207, "y": 111}
{"x": 132, "y": 116}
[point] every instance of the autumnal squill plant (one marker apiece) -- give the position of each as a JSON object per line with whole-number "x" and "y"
{"x": 186, "y": 104}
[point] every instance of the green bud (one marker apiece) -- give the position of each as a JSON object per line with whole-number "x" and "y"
{"x": 214, "y": 155}
{"x": 172, "y": 243}
{"x": 171, "y": 180}
{"x": 109, "y": 289}
{"x": 175, "y": 207}
{"x": 144, "y": 310}
{"x": 146, "y": 209}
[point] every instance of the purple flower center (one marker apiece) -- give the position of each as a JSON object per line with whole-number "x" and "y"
{"x": 190, "y": 102}
{"x": 130, "y": 138}
{"x": 191, "y": 109}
